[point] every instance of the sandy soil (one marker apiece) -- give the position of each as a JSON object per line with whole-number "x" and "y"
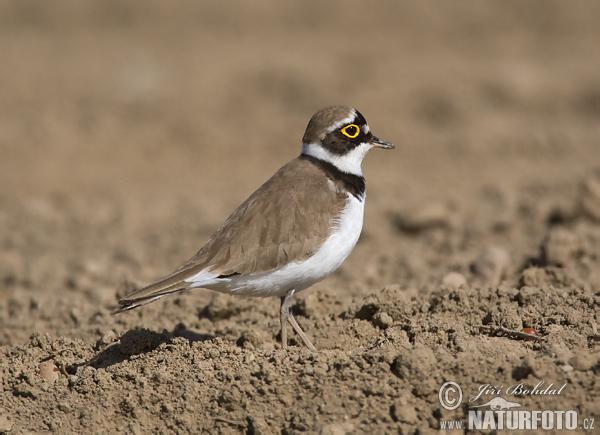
{"x": 129, "y": 132}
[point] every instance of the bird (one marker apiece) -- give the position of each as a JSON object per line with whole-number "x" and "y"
{"x": 292, "y": 232}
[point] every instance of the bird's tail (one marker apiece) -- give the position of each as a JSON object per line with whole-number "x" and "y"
{"x": 151, "y": 293}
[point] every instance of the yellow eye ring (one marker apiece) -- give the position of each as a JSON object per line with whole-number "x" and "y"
{"x": 355, "y": 129}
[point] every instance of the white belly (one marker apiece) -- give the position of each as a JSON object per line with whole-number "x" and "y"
{"x": 301, "y": 275}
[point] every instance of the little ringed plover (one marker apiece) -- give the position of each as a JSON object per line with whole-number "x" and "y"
{"x": 294, "y": 231}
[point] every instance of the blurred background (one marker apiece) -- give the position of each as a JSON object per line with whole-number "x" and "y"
{"x": 129, "y": 130}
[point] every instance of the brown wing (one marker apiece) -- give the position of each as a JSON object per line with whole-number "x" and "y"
{"x": 288, "y": 218}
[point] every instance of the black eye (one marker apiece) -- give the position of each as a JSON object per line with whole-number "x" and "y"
{"x": 351, "y": 131}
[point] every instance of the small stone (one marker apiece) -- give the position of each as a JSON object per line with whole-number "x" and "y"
{"x": 454, "y": 280}
{"x": 491, "y": 264}
{"x": 108, "y": 338}
{"x": 382, "y": 320}
{"x": 567, "y": 368}
{"x": 65, "y": 407}
{"x": 49, "y": 372}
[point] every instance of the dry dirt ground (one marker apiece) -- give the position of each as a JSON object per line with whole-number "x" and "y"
{"x": 130, "y": 130}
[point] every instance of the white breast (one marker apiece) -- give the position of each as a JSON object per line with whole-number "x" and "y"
{"x": 301, "y": 275}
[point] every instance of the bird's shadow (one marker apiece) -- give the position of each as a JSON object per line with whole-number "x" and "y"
{"x": 140, "y": 341}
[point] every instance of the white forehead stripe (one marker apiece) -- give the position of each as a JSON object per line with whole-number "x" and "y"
{"x": 344, "y": 121}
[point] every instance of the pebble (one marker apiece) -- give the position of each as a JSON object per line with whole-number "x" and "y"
{"x": 49, "y": 372}
{"x": 454, "y": 280}
{"x": 567, "y": 368}
{"x": 490, "y": 264}
{"x": 108, "y": 337}
{"x": 382, "y": 320}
